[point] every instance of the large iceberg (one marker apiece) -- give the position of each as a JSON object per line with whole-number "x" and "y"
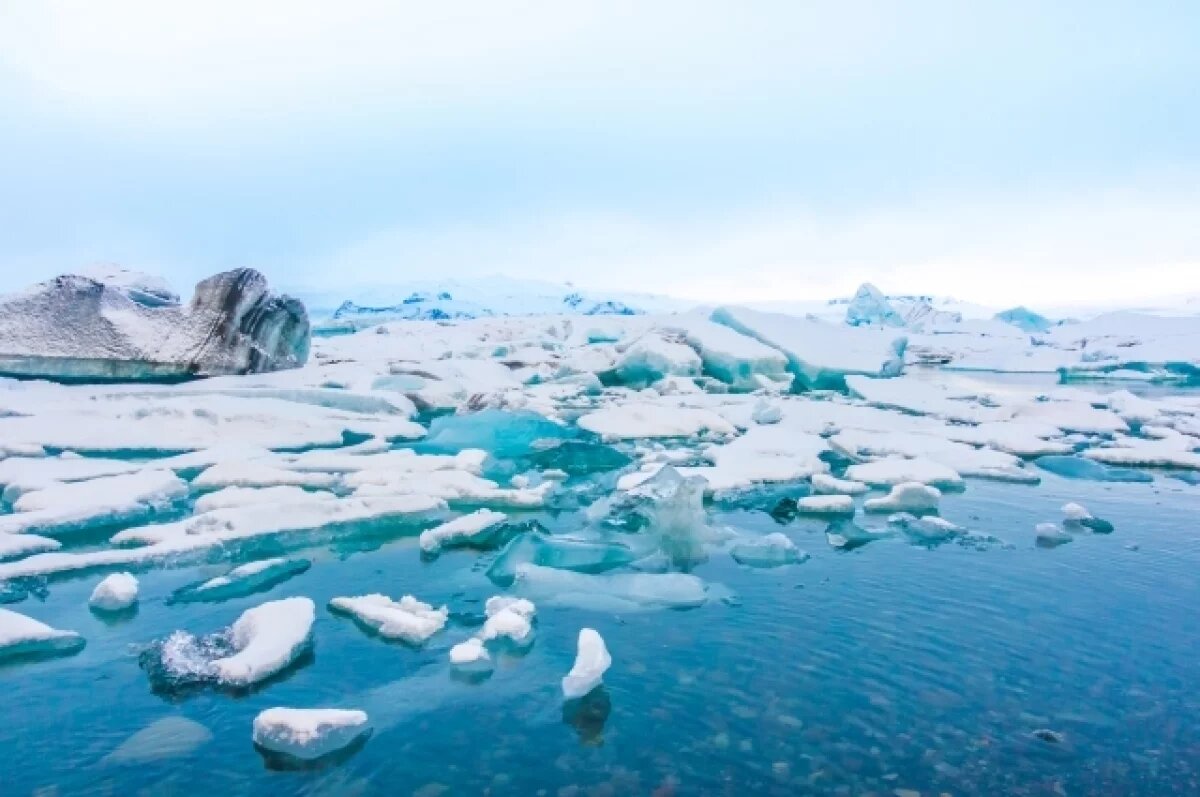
{"x": 80, "y": 328}
{"x": 870, "y": 307}
{"x": 819, "y": 354}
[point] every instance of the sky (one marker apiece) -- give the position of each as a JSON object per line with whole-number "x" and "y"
{"x": 998, "y": 152}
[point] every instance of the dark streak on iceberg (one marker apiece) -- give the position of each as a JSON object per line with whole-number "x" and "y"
{"x": 80, "y": 329}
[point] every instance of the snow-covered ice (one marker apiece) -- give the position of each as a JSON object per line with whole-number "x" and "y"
{"x": 308, "y": 733}
{"x": 407, "y": 620}
{"x": 465, "y": 530}
{"x": 913, "y": 497}
{"x": 24, "y": 636}
{"x": 117, "y": 592}
{"x": 266, "y": 639}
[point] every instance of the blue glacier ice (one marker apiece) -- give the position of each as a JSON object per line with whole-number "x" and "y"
{"x": 870, "y": 307}
{"x": 1025, "y": 319}
{"x": 1083, "y": 468}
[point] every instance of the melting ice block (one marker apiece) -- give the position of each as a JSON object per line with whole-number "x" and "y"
{"x": 23, "y": 636}
{"x": 825, "y": 484}
{"x": 1050, "y": 535}
{"x": 615, "y": 591}
{"x": 115, "y": 593}
{"x": 592, "y": 660}
{"x": 408, "y": 619}
{"x": 771, "y": 550}
{"x": 307, "y": 734}
{"x": 266, "y": 639}
{"x": 508, "y": 618}
{"x": 1077, "y": 515}
{"x": 825, "y": 505}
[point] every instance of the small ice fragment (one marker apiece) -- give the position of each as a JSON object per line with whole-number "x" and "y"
{"x": 465, "y": 530}
{"x": 772, "y": 550}
{"x": 929, "y": 528}
{"x": 23, "y": 636}
{"x": 1078, "y": 515}
{"x": 471, "y": 655}
{"x": 1050, "y": 535}
{"x": 906, "y": 497}
{"x": 115, "y": 593}
{"x": 267, "y": 639}
{"x": 508, "y": 623}
{"x": 825, "y": 505}
{"x": 1074, "y": 511}
{"x": 308, "y": 733}
{"x": 825, "y": 484}
{"x": 408, "y": 619}
{"x": 766, "y": 412}
{"x": 592, "y": 660}
{"x": 499, "y": 603}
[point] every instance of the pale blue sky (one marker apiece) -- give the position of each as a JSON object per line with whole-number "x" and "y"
{"x": 995, "y": 151}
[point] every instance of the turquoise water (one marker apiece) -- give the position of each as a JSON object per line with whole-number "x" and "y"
{"x": 888, "y": 667}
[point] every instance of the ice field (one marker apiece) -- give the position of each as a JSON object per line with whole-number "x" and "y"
{"x": 887, "y": 549}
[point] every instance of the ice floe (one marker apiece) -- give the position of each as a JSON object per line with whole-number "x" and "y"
{"x": 266, "y": 639}
{"x": 22, "y": 636}
{"x": 407, "y": 620}
{"x": 308, "y": 734}
{"x": 466, "y": 530}
{"x": 913, "y": 497}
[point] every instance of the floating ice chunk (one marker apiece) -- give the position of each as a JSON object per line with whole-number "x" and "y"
{"x": 1024, "y": 319}
{"x": 611, "y": 592}
{"x": 243, "y": 580}
{"x": 653, "y": 356}
{"x": 70, "y": 507}
{"x": 825, "y": 484}
{"x": 1077, "y": 515}
{"x": 825, "y": 505}
{"x": 963, "y": 459}
{"x": 471, "y": 655}
{"x": 115, "y": 593}
{"x": 764, "y": 454}
{"x": 23, "y": 636}
{"x": 232, "y": 497}
{"x": 1049, "y": 535}
{"x": 259, "y": 474}
{"x": 168, "y": 737}
{"x": 870, "y": 307}
{"x": 508, "y": 623}
{"x": 566, "y": 553}
{"x": 911, "y": 497}
{"x": 735, "y": 359}
{"x": 266, "y": 639}
{"x": 929, "y": 528}
{"x": 1073, "y": 511}
{"x": 408, "y": 619}
{"x": 592, "y": 660}
{"x": 307, "y": 734}
{"x": 766, "y": 413}
{"x": 925, "y": 398}
{"x": 503, "y": 434}
{"x": 1073, "y": 416}
{"x": 771, "y": 550}
{"x": 644, "y": 420}
{"x": 508, "y": 617}
{"x": 846, "y": 535}
{"x": 15, "y": 546}
{"x": 898, "y": 470}
{"x": 577, "y": 458}
{"x": 820, "y": 355}
{"x": 500, "y": 603}
{"x": 1080, "y": 468}
{"x": 473, "y": 529}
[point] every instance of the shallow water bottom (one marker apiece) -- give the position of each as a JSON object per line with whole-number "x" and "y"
{"x": 890, "y": 667}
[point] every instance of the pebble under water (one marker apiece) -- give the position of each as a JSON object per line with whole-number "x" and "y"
{"x": 891, "y": 669}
